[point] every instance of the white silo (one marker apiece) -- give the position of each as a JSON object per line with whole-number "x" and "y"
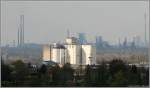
{"x": 46, "y": 53}
{"x": 59, "y": 54}
{"x": 88, "y": 54}
{"x": 73, "y": 53}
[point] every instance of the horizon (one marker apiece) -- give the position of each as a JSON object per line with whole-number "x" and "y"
{"x": 47, "y": 22}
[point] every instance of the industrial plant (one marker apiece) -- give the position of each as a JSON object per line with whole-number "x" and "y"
{"x": 71, "y": 51}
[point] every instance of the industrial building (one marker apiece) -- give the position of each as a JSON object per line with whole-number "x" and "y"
{"x": 70, "y": 52}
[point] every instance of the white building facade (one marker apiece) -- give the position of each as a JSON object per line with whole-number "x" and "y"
{"x": 46, "y": 53}
{"x": 71, "y": 52}
{"x": 88, "y": 54}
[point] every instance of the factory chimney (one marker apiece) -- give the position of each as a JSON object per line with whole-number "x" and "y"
{"x": 145, "y": 30}
{"x": 18, "y": 36}
{"x": 68, "y": 33}
{"x": 21, "y": 31}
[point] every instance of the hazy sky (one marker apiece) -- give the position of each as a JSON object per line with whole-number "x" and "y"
{"x": 48, "y": 21}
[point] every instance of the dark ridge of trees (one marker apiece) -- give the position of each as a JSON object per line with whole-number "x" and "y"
{"x": 115, "y": 73}
{"x": 117, "y": 65}
{"x": 67, "y": 73}
{"x": 56, "y": 73}
{"x": 5, "y": 72}
{"x": 103, "y": 74}
{"x": 20, "y": 70}
{"x": 61, "y": 76}
{"x": 119, "y": 79}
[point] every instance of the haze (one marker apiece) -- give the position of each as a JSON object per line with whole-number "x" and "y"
{"x": 48, "y": 21}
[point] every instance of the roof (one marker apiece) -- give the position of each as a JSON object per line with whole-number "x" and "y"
{"x": 59, "y": 46}
{"x": 49, "y": 63}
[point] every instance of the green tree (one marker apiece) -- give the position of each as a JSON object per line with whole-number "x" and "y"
{"x": 56, "y": 74}
{"x": 147, "y": 78}
{"x": 102, "y": 74}
{"x": 143, "y": 76}
{"x": 117, "y": 65}
{"x": 91, "y": 76}
{"x": 42, "y": 70}
{"x": 20, "y": 70}
{"x": 66, "y": 75}
{"x": 87, "y": 74}
{"x": 133, "y": 76}
{"x": 67, "y": 72}
{"x": 119, "y": 80}
{"x": 44, "y": 76}
{"x": 5, "y": 72}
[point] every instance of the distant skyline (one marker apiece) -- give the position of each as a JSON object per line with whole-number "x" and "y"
{"x": 48, "y": 21}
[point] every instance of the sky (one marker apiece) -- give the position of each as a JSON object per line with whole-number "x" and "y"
{"x": 48, "y": 21}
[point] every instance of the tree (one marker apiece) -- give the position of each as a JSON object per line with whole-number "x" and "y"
{"x": 117, "y": 65}
{"x": 102, "y": 74}
{"x": 133, "y": 76}
{"x": 43, "y": 75}
{"x": 87, "y": 73}
{"x": 143, "y": 76}
{"x": 43, "y": 69}
{"x": 92, "y": 76}
{"x": 89, "y": 76}
{"x": 67, "y": 72}
{"x": 56, "y": 74}
{"x": 147, "y": 77}
{"x": 5, "y": 72}
{"x": 119, "y": 80}
{"x": 20, "y": 70}
{"x": 118, "y": 68}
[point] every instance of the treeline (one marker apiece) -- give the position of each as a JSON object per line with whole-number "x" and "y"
{"x": 113, "y": 73}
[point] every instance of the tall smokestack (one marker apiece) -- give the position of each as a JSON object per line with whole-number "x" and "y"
{"x": 18, "y": 36}
{"x": 145, "y": 29}
{"x": 68, "y": 33}
{"x": 21, "y": 31}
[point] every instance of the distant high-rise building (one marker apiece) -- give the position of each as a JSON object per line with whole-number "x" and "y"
{"x": 133, "y": 43}
{"x": 125, "y": 43}
{"x": 99, "y": 39}
{"x": 82, "y": 38}
{"x": 119, "y": 43}
{"x": 138, "y": 41}
{"x": 14, "y": 43}
{"x": 21, "y": 31}
{"x": 99, "y": 42}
